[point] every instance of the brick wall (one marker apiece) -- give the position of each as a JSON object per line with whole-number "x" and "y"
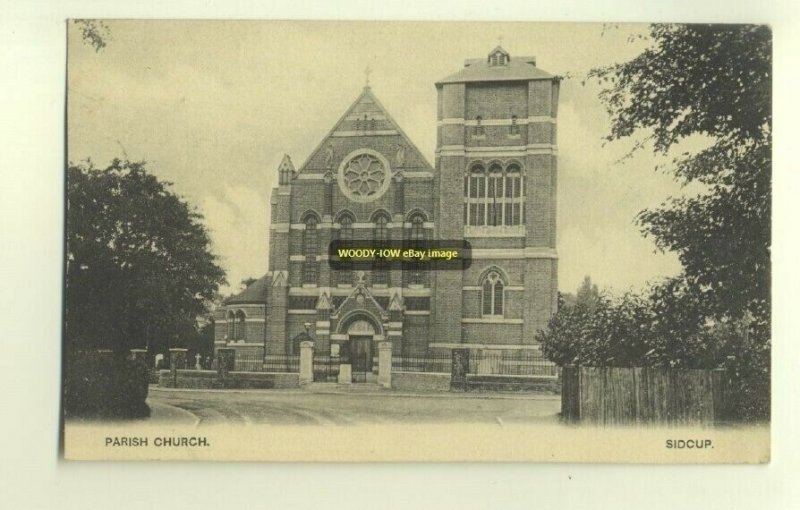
{"x": 540, "y": 276}
{"x": 416, "y": 335}
{"x": 488, "y": 333}
{"x": 497, "y": 100}
{"x": 420, "y": 381}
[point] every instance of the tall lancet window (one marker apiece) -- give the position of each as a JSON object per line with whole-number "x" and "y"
{"x": 231, "y": 322}
{"x": 494, "y": 195}
{"x": 380, "y": 234}
{"x": 417, "y": 275}
{"x": 514, "y": 201}
{"x": 345, "y": 274}
{"x": 310, "y": 249}
{"x": 239, "y": 326}
{"x": 492, "y": 296}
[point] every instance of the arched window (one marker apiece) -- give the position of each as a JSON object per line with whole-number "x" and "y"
{"x": 345, "y": 274}
{"x": 238, "y": 327}
{"x": 498, "y": 58}
{"x": 310, "y": 249}
{"x": 495, "y": 197}
{"x": 380, "y": 234}
{"x": 478, "y": 126}
{"x": 475, "y": 194}
{"x": 231, "y": 322}
{"x": 494, "y": 190}
{"x": 514, "y": 213}
{"x": 417, "y": 232}
{"x": 492, "y": 296}
{"x": 381, "y": 231}
{"x": 346, "y": 228}
{"x": 417, "y": 275}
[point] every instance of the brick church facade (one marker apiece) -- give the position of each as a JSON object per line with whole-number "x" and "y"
{"x": 493, "y": 183}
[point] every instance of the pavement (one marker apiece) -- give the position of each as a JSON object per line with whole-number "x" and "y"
{"x": 340, "y": 405}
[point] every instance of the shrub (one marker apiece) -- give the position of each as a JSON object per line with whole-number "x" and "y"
{"x": 104, "y": 385}
{"x": 665, "y": 328}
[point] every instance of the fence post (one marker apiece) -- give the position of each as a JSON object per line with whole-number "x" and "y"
{"x": 139, "y": 359}
{"x": 385, "y": 364}
{"x": 459, "y": 369}
{"x": 139, "y": 356}
{"x": 345, "y": 374}
{"x": 176, "y": 357}
{"x": 225, "y": 364}
{"x": 722, "y": 381}
{"x": 570, "y": 394}
{"x": 306, "y": 362}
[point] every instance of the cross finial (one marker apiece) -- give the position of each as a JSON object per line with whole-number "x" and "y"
{"x": 367, "y": 72}
{"x": 500, "y": 40}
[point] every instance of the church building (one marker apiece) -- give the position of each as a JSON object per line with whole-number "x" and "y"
{"x": 493, "y": 183}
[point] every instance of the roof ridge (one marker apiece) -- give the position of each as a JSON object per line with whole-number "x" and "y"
{"x": 253, "y": 293}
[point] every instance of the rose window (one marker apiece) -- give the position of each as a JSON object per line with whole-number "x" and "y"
{"x": 364, "y": 175}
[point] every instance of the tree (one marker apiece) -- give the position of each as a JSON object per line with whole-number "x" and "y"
{"x": 139, "y": 268}
{"x": 712, "y": 81}
{"x": 707, "y": 81}
{"x": 587, "y": 295}
{"x": 658, "y": 327}
{"x": 248, "y": 282}
{"x": 94, "y": 32}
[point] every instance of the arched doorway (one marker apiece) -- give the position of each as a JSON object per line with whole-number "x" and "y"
{"x": 358, "y": 349}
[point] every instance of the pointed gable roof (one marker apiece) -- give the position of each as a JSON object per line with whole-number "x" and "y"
{"x": 368, "y": 116}
{"x": 497, "y": 49}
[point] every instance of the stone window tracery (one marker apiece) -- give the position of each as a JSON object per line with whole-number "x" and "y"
{"x": 495, "y": 197}
{"x": 364, "y": 175}
{"x": 492, "y": 297}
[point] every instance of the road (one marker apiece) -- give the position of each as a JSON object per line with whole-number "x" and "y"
{"x": 306, "y": 407}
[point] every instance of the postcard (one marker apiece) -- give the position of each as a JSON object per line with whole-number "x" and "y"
{"x": 417, "y": 241}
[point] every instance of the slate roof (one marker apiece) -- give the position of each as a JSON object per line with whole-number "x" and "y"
{"x": 255, "y": 293}
{"x": 478, "y": 69}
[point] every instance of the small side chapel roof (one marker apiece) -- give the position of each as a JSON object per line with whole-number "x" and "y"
{"x": 256, "y": 292}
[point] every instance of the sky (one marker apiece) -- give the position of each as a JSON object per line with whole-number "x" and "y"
{"x": 213, "y": 107}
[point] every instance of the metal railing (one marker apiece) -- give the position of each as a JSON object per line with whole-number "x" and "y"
{"x": 432, "y": 362}
{"x": 281, "y": 363}
{"x": 253, "y": 362}
{"x": 326, "y": 368}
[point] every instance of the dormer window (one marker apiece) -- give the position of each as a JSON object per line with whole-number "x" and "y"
{"x": 498, "y": 57}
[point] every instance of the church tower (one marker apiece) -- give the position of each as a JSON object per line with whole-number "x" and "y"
{"x": 495, "y": 186}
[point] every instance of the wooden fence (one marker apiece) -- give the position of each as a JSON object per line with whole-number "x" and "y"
{"x": 660, "y": 396}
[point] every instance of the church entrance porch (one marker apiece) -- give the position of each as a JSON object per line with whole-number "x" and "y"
{"x": 357, "y": 348}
